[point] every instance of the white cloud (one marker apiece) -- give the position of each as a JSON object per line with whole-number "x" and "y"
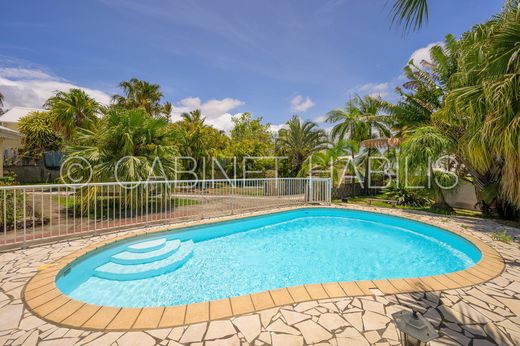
{"x": 424, "y": 53}
{"x": 217, "y": 112}
{"x": 276, "y": 128}
{"x": 29, "y": 87}
{"x": 374, "y": 89}
{"x": 301, "y": 104}
{"x": 320, "y": 119}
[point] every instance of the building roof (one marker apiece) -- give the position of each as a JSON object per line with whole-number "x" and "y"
{"x": 14, "y": 114}
{"x": 6, "y": 133}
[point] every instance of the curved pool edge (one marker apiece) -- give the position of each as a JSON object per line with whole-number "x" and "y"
{"x": 41, "y": 296}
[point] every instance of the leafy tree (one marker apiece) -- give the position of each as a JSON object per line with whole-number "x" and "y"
{"x": 198, "y": 140}
{"x": 138, "y": 93}
{"x": 250, "y": 138}
{"x": 245, "y": 127}
{"x": 298, "y": 140}
{"x": 38, "y": 134}
{"x": 71, "y": 110}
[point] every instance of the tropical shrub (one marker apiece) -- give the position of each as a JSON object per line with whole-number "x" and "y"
{"x": 408, "y": 197}
{"x": 129, "y": 141}
{"x": 38, "y": 134}
{"x": 13, "y": 199}
{"x": 502, "y": 236}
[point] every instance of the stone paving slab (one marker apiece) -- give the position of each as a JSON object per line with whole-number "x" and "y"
{"x": 484, "y": 314}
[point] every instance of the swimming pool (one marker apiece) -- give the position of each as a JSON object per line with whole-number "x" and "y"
{"x": 226, "y": 259}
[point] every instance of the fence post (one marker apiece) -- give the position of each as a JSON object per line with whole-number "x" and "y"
{"x": 233, "y": 197}
{"x": 329, "y": 190}
{"x": 311, "y": 191}
{"x": 203, "y": 187}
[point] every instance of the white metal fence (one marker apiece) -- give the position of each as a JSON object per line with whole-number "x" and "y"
{"x": 35, "y": 213}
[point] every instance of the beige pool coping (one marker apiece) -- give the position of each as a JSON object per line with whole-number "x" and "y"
{"x": 45, "y": 300}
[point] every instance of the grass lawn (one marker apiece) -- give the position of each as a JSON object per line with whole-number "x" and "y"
{"x": 362, "y": 200}
{"x": 108, "y": 203}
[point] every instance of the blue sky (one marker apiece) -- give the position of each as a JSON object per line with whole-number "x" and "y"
{"x": 271, "y": 58}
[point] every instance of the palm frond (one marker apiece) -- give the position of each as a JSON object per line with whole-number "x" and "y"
{"x": 411, "y": 14}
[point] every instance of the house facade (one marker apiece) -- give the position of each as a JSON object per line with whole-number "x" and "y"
{"x": 10, "y": 138}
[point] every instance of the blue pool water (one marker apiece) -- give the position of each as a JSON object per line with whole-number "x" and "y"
{"x": 226, "y": 259}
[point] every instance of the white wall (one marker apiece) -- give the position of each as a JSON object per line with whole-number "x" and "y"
{"x": 464, "y": 198}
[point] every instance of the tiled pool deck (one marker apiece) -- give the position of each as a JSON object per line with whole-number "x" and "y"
{"x": 467, "y": 308}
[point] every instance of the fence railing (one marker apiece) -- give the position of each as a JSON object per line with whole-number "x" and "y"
{"x": 35, "y": 213}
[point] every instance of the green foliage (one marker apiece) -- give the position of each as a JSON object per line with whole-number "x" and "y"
{"x": 141, "y": 94}
{"x": 245, "y": 128}
{"x": 425, "y": 144}
{"x": 194, "y": 138}
{"x": 129, "y": 140}
{"x": 330, "y": 161}
{"x": 412, "y": 14}
{"x": 465, "y": 104}
{"x": 484, "y": 96}
{"x": 38, "y": 134}
{"x": 14, "y": 207}
{"x": 359, "y": 119}
{"x": 298, "y": 140}
{"x": 7, "y": 179}
{"x": 250, "y": 138}
{"x": 408, "y": 197}
{"x": 502, "y": 236}
{"x": 71, "y": 110}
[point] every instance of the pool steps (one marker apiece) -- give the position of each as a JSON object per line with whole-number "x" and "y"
{"x": 128, "y": 257}
{"x": 147, "y": 246}
{"x": 173, "y": 258}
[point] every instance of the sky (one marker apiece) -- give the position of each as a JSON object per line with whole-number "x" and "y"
{"x": 273, "y": 58}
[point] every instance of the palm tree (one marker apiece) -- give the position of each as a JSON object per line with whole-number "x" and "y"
{"x": 422, "y": 94}
{"x": 425, "y": 144}
{"x": 130, "y": 137}
{"x": 139, "y": 93}
{"x": 362, "y": 121}
{"x": 71, "y": 110}
{"x": 299, "y": 140}
{"x": 127, "y": 146}
{"x": 194, "y": 118}
{"x": 470, "y": 94}
{"x": 412, "y": 14}
{"x": 330, "y": 160}
{"x": 1, "y": 103}
{"x": 484, "y": 96}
